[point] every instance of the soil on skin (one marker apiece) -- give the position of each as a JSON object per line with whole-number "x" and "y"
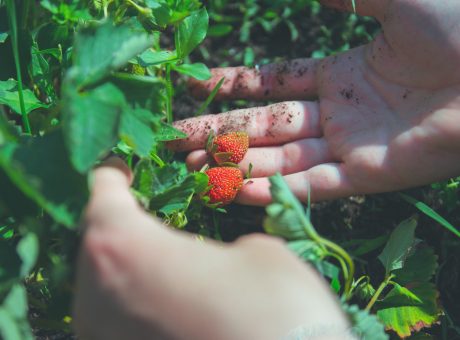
{"x": 341, "y": 220}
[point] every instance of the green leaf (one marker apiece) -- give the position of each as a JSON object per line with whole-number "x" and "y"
{"x": 431, "y": 213}
{"x": 421, "y": 266}
{"x": 56, "y": 187}
{"x": 365, "y": 325}
{"x": 308, "y": 250}
{"x": 143, "y": 177}
{"x": 311, "y": 252}
{"x": 286, "y": 216}
{"x": 9, "y": 330}
{"x": 191, "y": 32}
{"x": 40, "y": 72}
{"x": 13, "y": 202}
{"x": 28, "y": 249}
{"x": 100, "y": 49}
{"x": 13, "y": 315}
{"x": 399, "y": 246}
{"x": 10, "y": 265}
{"x": 249, "y": 57}
{"x": 168, "y": 132}
{"x": 16, "y": 302}
{"x": 365, "y": 246}
{"x": 176, "y": 198}
{"x": 136, "y": 130}
{"x": 406, "y": 319}
{"x": 91, "y": 123}
{"x": 161, "y": 12}
{"x": 198, "y": 70}
{"x": 170, "y": 188}
{"x": 7, "y": 131}
{"x": 9, "y": 95}
{"x": 141, "y": 91}
{"x": 151, "y": 58}
{"x": 399, "y": 296}
{"x": 365, "y": 291}
{"x": 331, "y": 271}
{"x": 3, "y": 36}
{"x": 219, "y": 30}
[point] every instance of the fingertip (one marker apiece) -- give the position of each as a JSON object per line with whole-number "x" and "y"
{"x": 120, "y": 165}
{"x": 113, "y": 170}
{"x": 196, "y": 160}
{"x": 255, "y": 192}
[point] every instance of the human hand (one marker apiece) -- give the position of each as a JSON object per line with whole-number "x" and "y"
{"x": 138, "y": 279}
{"x": 386, "y": 115}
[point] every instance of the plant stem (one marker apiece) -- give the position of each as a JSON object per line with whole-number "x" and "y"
{"x": 379, "y": 291}
{"x": 145, "y": 11}
{"x": 25, "y": 14}
{"x": 157, "y": 159}
{"x": 11, "y": 7}
{"x": 169, "y": 94}
{"x": 357, "y": 282}
{"x": 351, "y": 266}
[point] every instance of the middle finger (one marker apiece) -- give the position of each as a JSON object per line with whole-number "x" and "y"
{"x": 275, "y": 124}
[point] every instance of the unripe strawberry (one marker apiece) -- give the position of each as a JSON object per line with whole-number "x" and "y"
{"x": 225, "y": 182}
{"x": 229, "y": 147}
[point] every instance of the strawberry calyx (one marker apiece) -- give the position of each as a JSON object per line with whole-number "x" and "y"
{"x": 227, "y": 147}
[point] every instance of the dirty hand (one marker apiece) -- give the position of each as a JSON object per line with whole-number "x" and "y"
{"x": 135, "y": 279}
{"x": 386, "y": 115}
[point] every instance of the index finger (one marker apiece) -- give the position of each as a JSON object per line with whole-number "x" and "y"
{"x": 288, "y": 80}
{"x": 275, "y": 124}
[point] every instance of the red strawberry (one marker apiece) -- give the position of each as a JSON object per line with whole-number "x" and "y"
{"x": 225, "y": 183}
{"x": 228, "y": 147}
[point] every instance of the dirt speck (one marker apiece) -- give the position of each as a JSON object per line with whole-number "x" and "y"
{"x": 347, "y": 93}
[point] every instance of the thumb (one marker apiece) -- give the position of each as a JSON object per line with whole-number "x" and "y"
{"x": 110, "y": 194}
{"x": 373, "y": 8}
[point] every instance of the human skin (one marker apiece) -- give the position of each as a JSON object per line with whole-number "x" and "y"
{"x": 138, "y": 279}
{"x": 385, "y": 115}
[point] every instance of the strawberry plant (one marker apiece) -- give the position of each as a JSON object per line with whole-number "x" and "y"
{"x": 80, "y": 80}
{"x": 84, "y": 79}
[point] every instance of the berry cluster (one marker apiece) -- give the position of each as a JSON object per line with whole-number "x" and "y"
{"x": 225, "y": 178}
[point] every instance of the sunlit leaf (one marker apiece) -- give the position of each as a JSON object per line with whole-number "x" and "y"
{"x": 150, "y": 58}
{"x": 399, "y": 296}
{"x": 286, "y": 216}
{"x": 101, "y": 48}
{"x": 406, "y": 319}
{"x": 198, "y": 70}
{"x": 167, "y": 132}
{"x": 191, "y": 32}
{"x": 431, "y": 213}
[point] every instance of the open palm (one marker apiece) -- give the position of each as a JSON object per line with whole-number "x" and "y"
{"x": 386, "y": 116}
